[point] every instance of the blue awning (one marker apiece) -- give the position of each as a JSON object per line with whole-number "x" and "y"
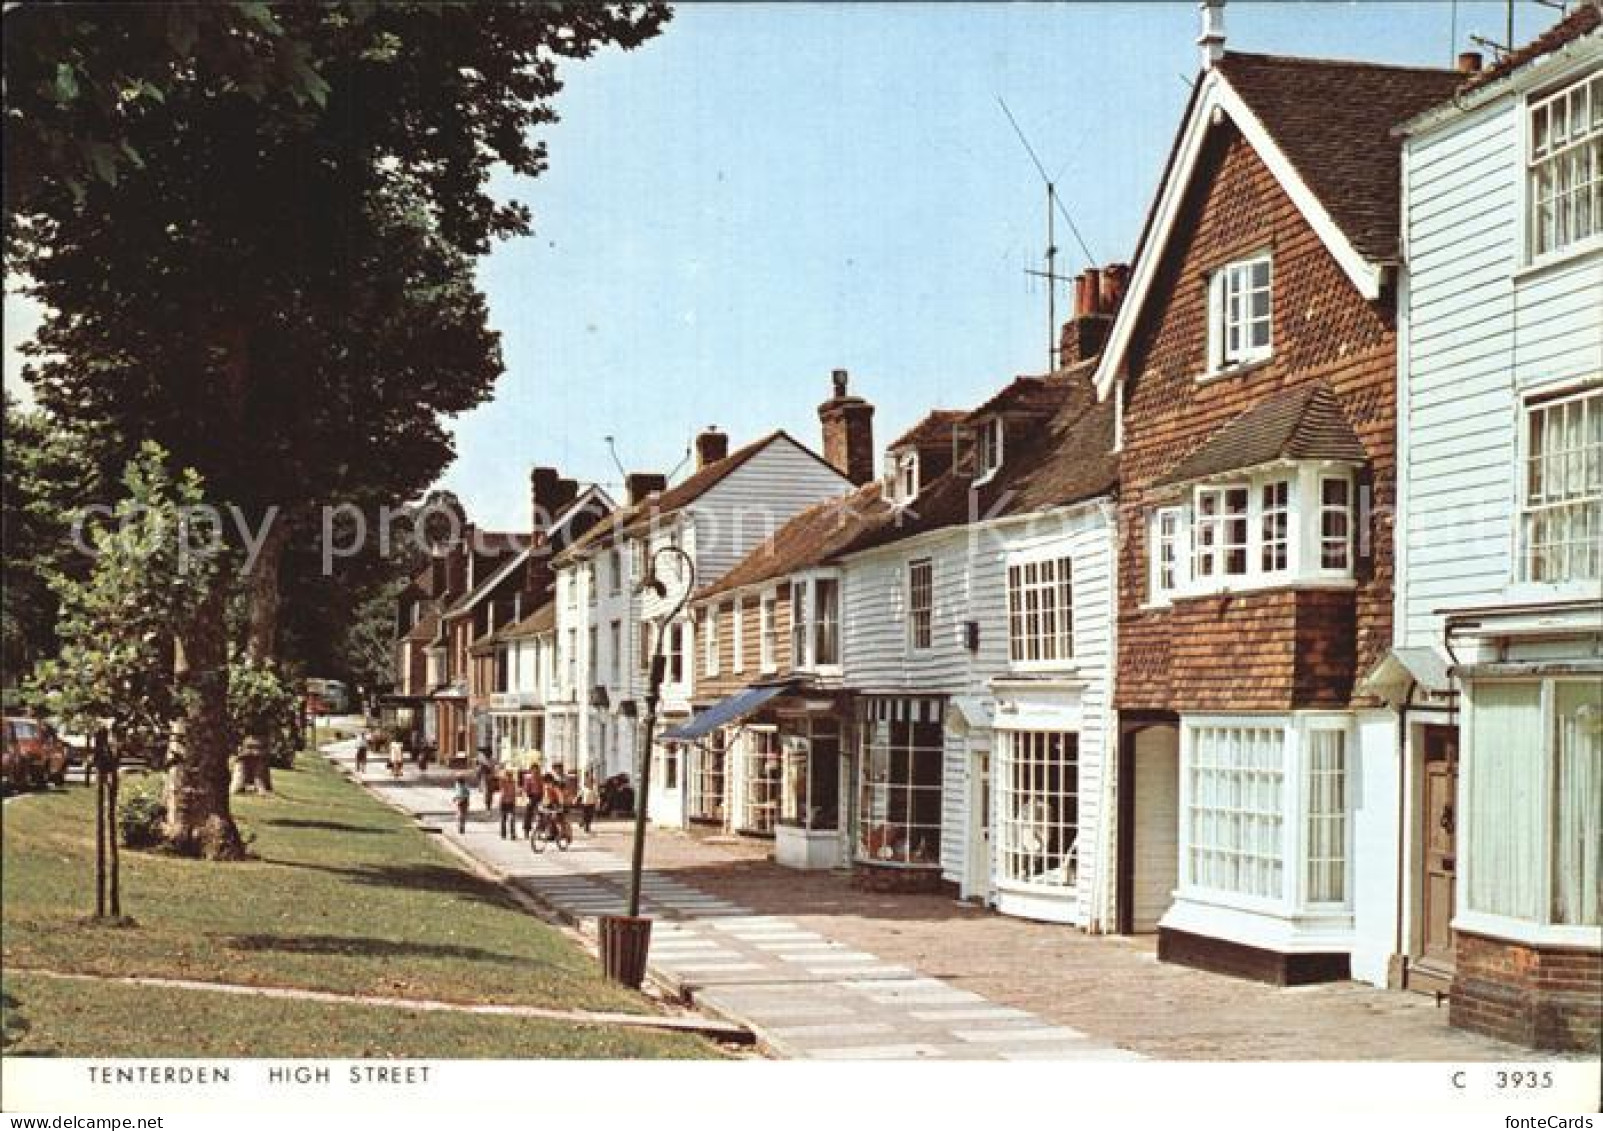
{"x": 726, "y": 711}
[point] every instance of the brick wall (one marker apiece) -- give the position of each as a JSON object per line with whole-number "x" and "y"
{"x": 1298, "y": 649}
{"x": 1546, "y": 999}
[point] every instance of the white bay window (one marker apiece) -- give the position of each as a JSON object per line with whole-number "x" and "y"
{"x": 1264, "y": 821}
{"x": 1288, "y": 525}
{"x": 1038, "y": 806}
{"x": 1533, "y": 834}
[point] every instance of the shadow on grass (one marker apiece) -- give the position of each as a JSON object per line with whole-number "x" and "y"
{"x": 411, "y": 878}
{"x": 14, "y": 1027}
{"x": 329, "y": 826}
{"x": 361, "y": 947}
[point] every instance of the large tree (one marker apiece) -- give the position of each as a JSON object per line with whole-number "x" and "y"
{"x": 255, "y": 240}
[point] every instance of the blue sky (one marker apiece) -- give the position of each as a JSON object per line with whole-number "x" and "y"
{"x": 768, "y": 192}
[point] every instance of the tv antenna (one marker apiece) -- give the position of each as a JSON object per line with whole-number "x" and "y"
{"x": 1054, "y": 205}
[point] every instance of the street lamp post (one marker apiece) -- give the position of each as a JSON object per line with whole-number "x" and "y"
{"x": 626, "y": 939}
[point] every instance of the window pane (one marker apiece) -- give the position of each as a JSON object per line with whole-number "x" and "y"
{"x": 1505, "y": 807}
{"x": 1578, "y": 804}
{"x": 1235, "y": 814}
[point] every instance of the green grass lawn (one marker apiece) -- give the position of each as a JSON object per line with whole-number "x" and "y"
{"x": 47, "y": 1017}
{"x": 344, "y": 894}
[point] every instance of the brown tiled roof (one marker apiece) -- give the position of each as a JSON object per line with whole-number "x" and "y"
{"x": 933, "y": 431}
{"x": 812, "y": 537}
{"x": 1301, "y": 423}
{"x": 1066, "y": 458}
{"x": 1333, "y": 119}
{"x": 1584, "y": 20}
{"x": 543, "y": 619}
{"x": 424, "y": 630}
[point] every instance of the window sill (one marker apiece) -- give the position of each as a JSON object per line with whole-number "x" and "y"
{"x": 1523, "y": 931}
{"x": 1241, "y": 369}
{"x": 1557, "y": 260}
{"x": 1267, "y": 586}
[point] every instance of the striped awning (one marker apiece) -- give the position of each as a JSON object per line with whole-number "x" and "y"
{"x": 901, "y": 708}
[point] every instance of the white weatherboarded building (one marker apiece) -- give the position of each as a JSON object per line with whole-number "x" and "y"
{"x": 1500, "y": 549}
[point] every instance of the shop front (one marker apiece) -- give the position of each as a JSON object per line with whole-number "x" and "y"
{"x": 900, "y": 744}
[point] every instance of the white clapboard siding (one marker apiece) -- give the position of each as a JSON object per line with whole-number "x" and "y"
{"x": 1479, "y": 328}
{"x": 756, "y": 499}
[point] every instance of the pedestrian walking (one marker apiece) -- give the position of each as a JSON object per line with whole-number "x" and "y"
{"x": 462, "y": 797}
{"x": 361, "y": 754}
{"x": 397, "y": 758}
{"x": 531, "y": 798}
{"x": 587, "y": 802}
{"x": 487, "y": 780}
{"x": 509, "y": 804}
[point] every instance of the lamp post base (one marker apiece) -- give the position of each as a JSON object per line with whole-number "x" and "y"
{"x": 625, "y": 946}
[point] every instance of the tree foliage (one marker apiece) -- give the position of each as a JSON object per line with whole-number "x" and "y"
{"x": 150, "y": 575}
{"x": 262, "y": 702}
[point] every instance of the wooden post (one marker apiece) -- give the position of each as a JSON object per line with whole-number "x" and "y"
{"x": 111, "y": 837}
{"x": 99, "y": 756}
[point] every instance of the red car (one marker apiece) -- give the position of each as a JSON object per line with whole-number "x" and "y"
{"x": 32, "y": 755}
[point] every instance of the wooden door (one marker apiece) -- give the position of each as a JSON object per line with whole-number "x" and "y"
{"x": 1439, "y": 841}
{"x": 979, "y": 847}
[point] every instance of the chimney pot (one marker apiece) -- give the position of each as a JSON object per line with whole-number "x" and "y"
{"x": 711, "y": 446}
{"x": 1212, "y": 39}
{"x": 1093, "y": 290}
{"x": 1469, "y": 62}
{"x": 848, "y": 425}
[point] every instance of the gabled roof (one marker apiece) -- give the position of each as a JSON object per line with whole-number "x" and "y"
{"x": 498, "y": 575}
{"x": 934, "y": 430}
{"x": 1302, "y": 423}
{"x": 1068, "y": 458}
{"x": 425, "y": 630}
{"x": 809, "y": 539}
{"x": 1323, "y": 128}
{"x": 542, "y": 620}
{"x": 658, "y": 506}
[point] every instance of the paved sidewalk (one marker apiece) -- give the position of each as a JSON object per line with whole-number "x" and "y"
{"x": 825, "y": 971}
{"x": 807, "y": 995}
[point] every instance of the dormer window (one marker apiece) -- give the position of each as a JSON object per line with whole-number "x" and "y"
{"x": 1239, "y": 314}
{"x": 901, "y": 485}
{"x": 988, "y": 448}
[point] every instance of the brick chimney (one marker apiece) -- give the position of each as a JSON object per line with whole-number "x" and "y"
{"x": 1469, "y": 62}
{"x": 542, "y": 497}
{"x": 1097, "y": 294}
{"x": 711, "y": 446}
{"x": 563, "y": 495}
{"x": 456, "y": 562}
{"x": 641, "y": 484}
{"x": 848, "y": 432}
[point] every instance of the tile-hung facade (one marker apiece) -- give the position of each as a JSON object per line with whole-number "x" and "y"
{"x": 1253, "y": 364}
{"x": 607, "y": 622}
{"x": 1500, "y": 551}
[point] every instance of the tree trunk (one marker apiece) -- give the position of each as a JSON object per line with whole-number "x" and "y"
{"x": 261, "y": 635}
{"x": 115, "y": 861}
{"x": 100, "y": 833}
{"x": 198, "y": 819}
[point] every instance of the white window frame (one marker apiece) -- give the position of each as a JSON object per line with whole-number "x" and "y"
{"x": 675, "y": 652}
{"x": 1304, "y": 542}
{"x": 1019, "y": 589}
{"x": 615, "y": 572}
{"x": 1235, "y": 279}
{"x": 1212, "y": 530}
{"x": 1589, "y": 395}
{"x": 737, "y": 643}
{"x": 902, "y": 477}
{"x": 709, "y": 641}
{"x": 1497, "y": 925}
{"x": 768, "y": 631}
{"x": 615, "y": 650}
{"x": 1293, "y": 846}
{"x": 920, "y": 618}
{"x": 822, "y": 623}
{"x": 1018, "y": 836}
{"x": 1584, "y": 88}
{"x": 990, "y": 440}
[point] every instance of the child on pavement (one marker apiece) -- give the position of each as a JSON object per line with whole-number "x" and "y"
{"x": 461, "y": 796}
{"x": 509, "y": 804}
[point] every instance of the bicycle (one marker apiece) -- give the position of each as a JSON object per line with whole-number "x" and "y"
{"x": 550, "y": 827}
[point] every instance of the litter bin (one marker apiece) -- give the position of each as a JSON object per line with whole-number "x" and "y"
{"x": 625, "y": 943}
